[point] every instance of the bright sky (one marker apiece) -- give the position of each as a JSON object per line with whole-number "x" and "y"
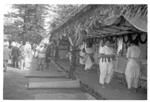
{"x": 7, "y": 8}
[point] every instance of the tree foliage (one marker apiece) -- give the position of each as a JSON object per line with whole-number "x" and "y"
{"x": 29, "y": 22}
{"x": 29, "y": 19}
{"x": 63, "y": 13}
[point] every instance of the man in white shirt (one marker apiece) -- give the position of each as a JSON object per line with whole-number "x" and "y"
{"x": 106, "y": 56}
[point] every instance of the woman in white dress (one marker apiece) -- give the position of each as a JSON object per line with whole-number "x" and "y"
{"x": 132, "y": 71}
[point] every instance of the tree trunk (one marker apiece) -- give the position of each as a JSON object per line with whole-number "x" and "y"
{"x": 25, "y": 18}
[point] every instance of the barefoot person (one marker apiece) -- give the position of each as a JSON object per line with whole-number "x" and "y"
{"x": 105, "y": 63}
{"x": 132, "y": 71}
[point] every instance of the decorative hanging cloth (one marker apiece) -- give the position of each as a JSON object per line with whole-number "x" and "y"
{"x": 120, "y": 45}
{"x": 88, "y": 63}
{"x": 143, "y": 38}
{"x": 82, "y": 54}
{"x": 135, "y": 38}
{"x": 125, "y": 39}
{"x": 89, "y": 57}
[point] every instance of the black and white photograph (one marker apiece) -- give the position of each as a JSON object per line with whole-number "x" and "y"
{"x": 75, "y": 51}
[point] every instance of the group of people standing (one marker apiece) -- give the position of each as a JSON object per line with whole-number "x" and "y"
{"x": 44, "y": 56}
{"x": 106, "y": 59}
{"x": 19, "y": 55}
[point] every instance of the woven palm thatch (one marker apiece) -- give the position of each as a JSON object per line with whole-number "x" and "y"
{"x": 89, "y": 14}
{"x": 134, "y": 10}
{"x": 104, "y": 11}
{"x": 137, "y": 15}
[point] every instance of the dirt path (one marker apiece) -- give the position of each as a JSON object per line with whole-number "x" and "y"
{"x": 15, "y": 85}
{"x": 116, "y": 90}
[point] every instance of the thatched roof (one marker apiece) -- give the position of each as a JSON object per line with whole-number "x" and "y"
{"x": 70, "y": 18}
{"x": 90, "y": 14}
{"x": 117, "y": 26}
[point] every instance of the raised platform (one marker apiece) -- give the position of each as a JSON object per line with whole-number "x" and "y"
{"x": 47, "y": 79}
{"x": 40, "y": 74}
{"x": 54, "y": 84}
{"x": 65, "y": 96}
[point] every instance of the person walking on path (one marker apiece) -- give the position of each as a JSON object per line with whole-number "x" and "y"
{"x": 34, "y": 49}
{"x": 22, "y": 57}
{"x": 6, "y": 56}
{"x": 28, "y": 55}
{"x": 41, "y": 57}
{"x": 48, "y": 55}
{"x": 132, "y": 71}
{"x": 106, "y": 63}
{"x": 15, "y": 55}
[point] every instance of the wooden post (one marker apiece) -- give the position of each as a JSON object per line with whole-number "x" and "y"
{"x": 56, "y": 54}
{"x": 73, "y": 63}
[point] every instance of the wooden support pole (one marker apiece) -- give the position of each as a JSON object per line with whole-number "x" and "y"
{"x": 72, "y": 63}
